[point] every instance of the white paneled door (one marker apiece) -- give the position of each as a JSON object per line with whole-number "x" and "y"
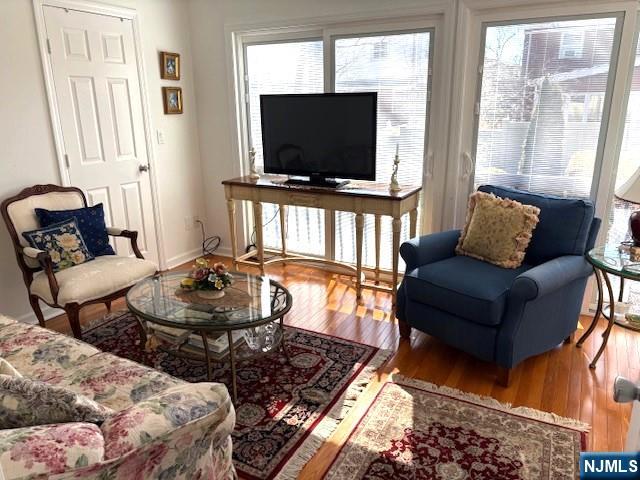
{"x": 99, "y": 104}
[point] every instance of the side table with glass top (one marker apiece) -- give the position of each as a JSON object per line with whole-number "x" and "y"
{"x": 610, "y": 260}
{"x": 191, "y": 324}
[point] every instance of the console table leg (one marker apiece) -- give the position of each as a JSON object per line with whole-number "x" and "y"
{"x": 359, "y": 238}
{"x": 396, "y": 225}
{"x": 377, "y": 229}
{"x": 257, "y": 218}
{"x": 283, "y": 229}
{"x": 413, "y": 222}
{"x": 231, "y": 209}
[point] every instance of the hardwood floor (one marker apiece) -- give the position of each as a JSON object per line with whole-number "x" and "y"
{"x": 559, "y": 381}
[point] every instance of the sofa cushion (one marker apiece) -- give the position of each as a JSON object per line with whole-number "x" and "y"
{"x": 469, "y": 288}
{"x": 90, "y": 222}
{"x": 49, "y": 449}
{"x": 25, "y": 403}
{"x": 563, "y": 228}
{"x": 498, "y": 230}
{"x": 116, "y": 382}
{"x": 42, "y": 354}
{"x": 98, "y": 278}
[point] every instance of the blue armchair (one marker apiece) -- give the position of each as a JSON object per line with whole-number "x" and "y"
{"x": 497, "y": 314}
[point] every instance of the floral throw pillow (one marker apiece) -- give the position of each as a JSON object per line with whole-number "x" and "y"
{"x": 64, "y": 243}
{"x": 498, "y": 230}
{"x": 25, "y": 402}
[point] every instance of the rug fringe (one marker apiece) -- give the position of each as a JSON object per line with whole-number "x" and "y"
{"x": 330, "y": 422}
{"x": 527, "y": 412}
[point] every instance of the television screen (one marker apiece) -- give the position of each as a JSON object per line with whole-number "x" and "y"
{"x": 330, "y": 135}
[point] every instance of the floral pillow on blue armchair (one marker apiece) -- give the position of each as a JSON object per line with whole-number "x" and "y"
{"x": 64, "y": 243}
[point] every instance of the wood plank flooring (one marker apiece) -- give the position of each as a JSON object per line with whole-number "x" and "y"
{"x": 559, "y": 381}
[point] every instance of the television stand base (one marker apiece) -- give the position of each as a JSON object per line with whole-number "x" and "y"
{"x": 317, "y": 182}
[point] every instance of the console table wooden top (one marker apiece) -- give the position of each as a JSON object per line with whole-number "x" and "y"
{"x": 352, "y": 189}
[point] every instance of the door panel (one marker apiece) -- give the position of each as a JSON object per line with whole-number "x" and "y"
{"x": 100, "y": 108}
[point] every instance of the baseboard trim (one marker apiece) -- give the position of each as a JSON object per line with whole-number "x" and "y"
{"x": 47, "y": 311}
{"x": 192, "y": 254}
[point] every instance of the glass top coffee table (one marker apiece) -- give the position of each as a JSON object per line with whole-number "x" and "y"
{"x": 194, "y": 325}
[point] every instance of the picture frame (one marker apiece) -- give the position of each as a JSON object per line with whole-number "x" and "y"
{"x": 170, "y": 66}
{"x": 172, "y": 99}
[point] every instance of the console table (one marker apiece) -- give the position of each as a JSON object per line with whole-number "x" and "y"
{"x": 358, "y": 197}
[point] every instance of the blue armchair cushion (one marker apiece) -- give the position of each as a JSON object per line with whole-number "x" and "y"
{"x": 463, "y": 286}
{"x": 563, "y": 228}
{"x": 90, "y": 223}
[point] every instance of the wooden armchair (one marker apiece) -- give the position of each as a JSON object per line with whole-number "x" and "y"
{"x": 98, "y": 281}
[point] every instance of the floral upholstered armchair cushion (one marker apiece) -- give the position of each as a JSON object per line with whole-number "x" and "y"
{"x": 163, "y": 414}
{"x": 25, "y": 402}
{"x": 63, "y": 242}
{"x": 42, "y": 451}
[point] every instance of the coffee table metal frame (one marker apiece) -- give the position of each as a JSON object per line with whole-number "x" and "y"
{"x": 280, "y": 294}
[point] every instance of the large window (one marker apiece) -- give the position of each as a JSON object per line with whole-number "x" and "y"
{"x": 286, "y": 67}
{"x": 396, "y": 65}
{"x": 543, "y": 90}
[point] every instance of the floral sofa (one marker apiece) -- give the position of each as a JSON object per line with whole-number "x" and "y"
{"x": 157, "y": 426}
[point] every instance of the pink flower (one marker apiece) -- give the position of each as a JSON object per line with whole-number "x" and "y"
{"x": 220, "y": 268}
{"x": 200, "y": 274}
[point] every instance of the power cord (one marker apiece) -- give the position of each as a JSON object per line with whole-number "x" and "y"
{"x": 253, "y": 233}
{"x": 209, "y": 244}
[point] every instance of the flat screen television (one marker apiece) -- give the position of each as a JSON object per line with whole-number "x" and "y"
{"x": 321, "y": 136}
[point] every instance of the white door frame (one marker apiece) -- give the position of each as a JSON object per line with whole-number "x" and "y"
{"x": 47, "y": 68}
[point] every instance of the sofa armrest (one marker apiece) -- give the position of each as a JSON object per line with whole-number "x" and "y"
{"x": 550, "y": 276}
{"x": 429, "y": 248}
{"x": 46, "y": 450}
{"x": 205, "y": 407}
{"x": 132, "y": 235}
{"x": 44, "y": 259}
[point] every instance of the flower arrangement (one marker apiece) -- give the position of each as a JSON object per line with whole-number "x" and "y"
{"x": 206, "y": 277}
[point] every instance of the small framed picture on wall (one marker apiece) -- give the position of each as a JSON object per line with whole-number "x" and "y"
{"x": 172, "y": 97}
{"x": 170, "y": 65}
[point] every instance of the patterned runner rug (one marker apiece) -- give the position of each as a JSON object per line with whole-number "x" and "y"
{"x": 285, "y": 410}
{"x": 416, "y": 430}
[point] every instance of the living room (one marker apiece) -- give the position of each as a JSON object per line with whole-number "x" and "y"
{"x": 213, "y": 307}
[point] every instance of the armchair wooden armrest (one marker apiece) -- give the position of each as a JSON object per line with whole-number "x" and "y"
{"x": 44, "y": 259}
{"x": 132, "y": 235}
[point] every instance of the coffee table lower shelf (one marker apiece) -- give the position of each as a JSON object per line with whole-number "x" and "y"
{"x": 185, "y": 350}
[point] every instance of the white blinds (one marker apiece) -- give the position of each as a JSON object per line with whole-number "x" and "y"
{"x": 291, "y": 67}
{"x": 397, "y": 67}
{"x": 541, "y": 106}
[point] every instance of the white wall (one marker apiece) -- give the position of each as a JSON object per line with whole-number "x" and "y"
{"x": 208, "y": 19}
{"x": 28, "y": 155}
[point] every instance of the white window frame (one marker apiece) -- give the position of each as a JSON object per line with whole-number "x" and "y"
{"x": 473, "y": 17}
{"x": 432, "y": 19}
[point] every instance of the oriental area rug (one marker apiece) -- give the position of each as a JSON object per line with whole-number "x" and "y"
{"x": 285, "y": 409}
{"x": 416, "y": 430}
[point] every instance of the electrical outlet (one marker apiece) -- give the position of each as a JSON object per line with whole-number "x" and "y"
{"x": 188, "y": 223}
